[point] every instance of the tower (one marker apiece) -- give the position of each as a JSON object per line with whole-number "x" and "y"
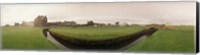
{"x": 40, "y": 21}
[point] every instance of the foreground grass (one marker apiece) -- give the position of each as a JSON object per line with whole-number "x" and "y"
{"x": 96, "y": 33}
{"x": 164, "y": 40}
{"x": 29, "y": 38}
{"x": 176, "y": 40}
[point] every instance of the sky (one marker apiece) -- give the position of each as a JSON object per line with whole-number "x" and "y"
{"x": 176, "y": 13}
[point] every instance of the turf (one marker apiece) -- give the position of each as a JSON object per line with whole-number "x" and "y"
{"x": 176, "y": 40}
{"x": 28, "y": 38}
{"x": 96, "y": 33}
{"x": 164, "y": 40}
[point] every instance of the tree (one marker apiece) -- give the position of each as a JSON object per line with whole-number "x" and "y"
{"x": 109, "y": 24}
{"x": 117, "y": 23}
{"x": 90, "y": 23}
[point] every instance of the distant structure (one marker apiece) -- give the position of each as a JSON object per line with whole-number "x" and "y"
{"x": 40, "y": 21}
{"x": 24, "y": 23}
{"x": 161, "y": 26}
{"x": 30, "y": 24}
{"x": 125, "y": 24}
{"x": 65, "y": 23}
{"x": 7, "y": 25}
{"x": 17, "y": 24}
{"x": 169, "y": 26}
{"x": 117, "y": 23}
{"x": 155, "y": 25}
{"x": 90, "y": 23}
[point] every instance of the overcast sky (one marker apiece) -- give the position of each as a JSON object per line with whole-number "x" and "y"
{"x": 178, "y": 13}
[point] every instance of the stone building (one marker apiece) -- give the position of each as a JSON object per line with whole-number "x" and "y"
{"x": 40, "y": 21}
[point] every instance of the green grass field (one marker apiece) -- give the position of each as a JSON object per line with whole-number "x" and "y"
{"x": 177, "y": 40}
{"x": 164, "y": 40}
{"x": 28, "y": 38}
{"x": 97, "y": 33}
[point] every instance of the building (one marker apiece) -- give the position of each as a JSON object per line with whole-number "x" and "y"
{"x": 65, "y": 23}
{"x": 17, "y": 24}
{"x": 161, "y": 26}
{"x": 24, "y": 23}
{"x": 30, "y": 24}
{"x": 40, "y": 21}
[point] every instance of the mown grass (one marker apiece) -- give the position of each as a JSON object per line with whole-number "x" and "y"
{"x": 28, "y": 38}
{"x": 164, "y": 40}
{"x": 173, "y": 40}
{"x": 96, "y": 33}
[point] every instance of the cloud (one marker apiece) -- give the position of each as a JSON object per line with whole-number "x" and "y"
{"x": 180, "y": 13}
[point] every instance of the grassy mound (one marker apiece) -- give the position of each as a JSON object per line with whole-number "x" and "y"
{"x": 106, "y": 44}
{"x": 96, "y": 33}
